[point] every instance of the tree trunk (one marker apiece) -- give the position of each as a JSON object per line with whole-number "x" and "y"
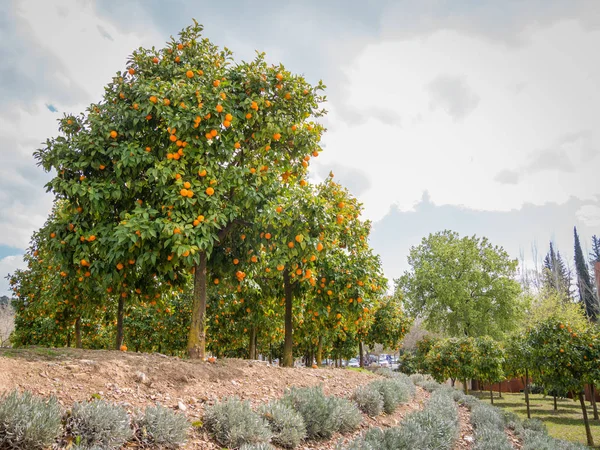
{"x": 319, "y": 356}
{"x": 197, "y": 337}
{"x": 360, "y": 353}
{"x": 593, "y": 400}
{"x": 555, "y": 405}
{"x": 500, "y": 390}
{"x": 288, "y": 343}
{"x": 270, "y": 353}
{"x": 527, "y": 393}
{"x": 491, "y": 395}
{"x": 252, "y": 343}
{"x": 466, "y": 387}
{"x": 120, "y": 308}
{"x": 255, "y": 343}
{"x": 588, "y": 431}
{"x": 78, "y": 343}
{"x": 452, "y": 382}
{"x": 68, "y": 338}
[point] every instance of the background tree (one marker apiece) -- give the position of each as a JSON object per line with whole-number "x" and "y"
{"x": 566, "y": 358}
{"x": 585, "y": 284}
{"x": 556, "y": 275}
{"x": 518, "y": 362}
{"x": 390, "y": 324}
{"x": 488, "y": 361}
{"x": 461, "y": 286}
{"x": 452, "y": 358}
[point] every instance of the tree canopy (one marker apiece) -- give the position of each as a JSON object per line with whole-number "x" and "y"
{"x": 461, "y": 286}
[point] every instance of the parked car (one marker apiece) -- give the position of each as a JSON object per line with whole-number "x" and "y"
{"x": 354, "y": 363}
{"x": 384, "y": 361}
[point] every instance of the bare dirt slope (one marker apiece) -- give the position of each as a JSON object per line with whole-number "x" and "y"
{"x": 135, "y": 380}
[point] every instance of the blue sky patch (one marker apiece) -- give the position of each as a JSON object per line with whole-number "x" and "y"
{"x": 51, "y": 107}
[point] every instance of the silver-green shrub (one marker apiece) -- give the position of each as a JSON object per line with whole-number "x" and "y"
{"x": 233, "y": 423}
{"x": 434, "y": 428}
{"x": 369, "y": 400}
{"x": 534, "y": 440}
{"x": 346, "y": 415}
{"x": 488, "y": 424}
{"x": 535, "y": 425}
{"x": 162, "y": 427}
{"x": 99, "y": 424}
{"x": 322, "y": 415}
{"x": 392, "y": 392}
{"x": 417, "y": 378}
{"x": 261, "y": 446}
{"x": 28, "y": 422}
{"x": 285, "y": 423}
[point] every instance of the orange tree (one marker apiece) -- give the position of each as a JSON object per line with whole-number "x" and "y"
{"x": 422, "y": 350}
{"x": 488, "y": 361}
{"x": 184, "y": 145}
{"x": 312, "y": 243}
{"x": 567, "y": 357}
{"x": 452, "y": 358}
{"x": 60, "y": 289}
{"x": 390, "y": 324}
{"x": 518, "y": 362}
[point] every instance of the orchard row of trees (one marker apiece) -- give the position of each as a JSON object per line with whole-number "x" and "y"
{"x": 484, "y": 325}
{"x": 184, "y": 218}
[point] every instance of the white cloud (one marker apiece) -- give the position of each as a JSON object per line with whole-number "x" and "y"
{"x": 8, "y": 265}
{"x": 528, "y": 98}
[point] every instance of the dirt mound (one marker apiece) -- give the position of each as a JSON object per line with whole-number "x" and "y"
{"x": 135, "y": 380}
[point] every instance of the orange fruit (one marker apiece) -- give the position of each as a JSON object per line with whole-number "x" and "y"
{"x": 319, "y": 247}
{"x": 166, "y": 102}
{"x": 216, "y": 83}
{"x": 189, "y": 74}
{"x": 279, "y": 76}
{"x": 267, "y": 235}
{"x": 219, "y": 108}
{"x": 113, "y": 134}
{"x": 131, "y": 71}
{"x": 153, "y": 99}
{"x": 123, "y": 348}
{"x": 277, "y": 136}
{"x": 52, "y": 235}
{"x": 290, "y": 244}
{"x": 120, "y": 266}
{"x": 216, "y": 281}
{"x": 228, "y": 117}
{"x": 226, "y": 123}
{"x": 187, "y": 185}
{"x": 248, "y": 116}
{"x": 148, "y": 149}
{"x": 237, "y": 145}
{"x": 279, "y": 209}
{"x": 155, "y": 60}
{"x": 280, "y": 267}
{"x": 190, "y": 194}
{"x": 213, "y": 133}
{"x": 209, "y": 191}
{"x": 202, "y": 173}
{"x": 299, "y": 238}
{"x": 236, "y": 261}
{"x": 102, "y": 167}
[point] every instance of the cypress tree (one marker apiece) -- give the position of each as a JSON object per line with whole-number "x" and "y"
{"x": 557, "y": 276}
{"x": 584, "y": 281}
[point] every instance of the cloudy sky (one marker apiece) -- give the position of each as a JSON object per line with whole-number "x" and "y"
{"x": 476, "y": 116}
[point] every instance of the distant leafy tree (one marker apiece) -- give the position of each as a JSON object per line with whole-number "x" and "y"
{"x": 461, "y": 286}
{"x": 556, "y": 274}
{"x": 584, "y": 282}
{"x": 452, "y": 358}
{"x": 488, "y": 361}
{"x": 595, "y": 253}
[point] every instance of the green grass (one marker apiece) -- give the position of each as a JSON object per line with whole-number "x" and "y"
{"x": 358, "y": 369}
{"x": 565, "y": 423}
